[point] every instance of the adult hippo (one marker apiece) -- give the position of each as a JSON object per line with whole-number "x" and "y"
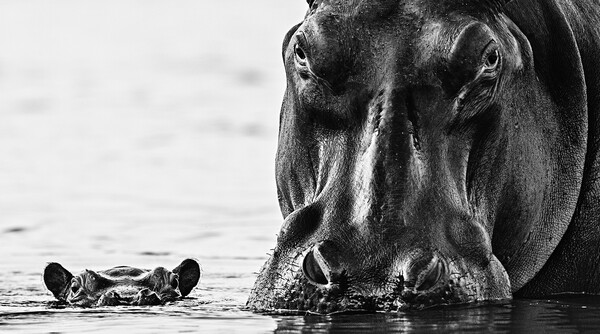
{"x": 437, "y": 152}
{"x": 122, "y": 285}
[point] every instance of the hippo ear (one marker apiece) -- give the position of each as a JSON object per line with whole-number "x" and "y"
{"x": 57, "y": 280}
{"x": 547, "y": 26}
{"x": 189, "y": 275}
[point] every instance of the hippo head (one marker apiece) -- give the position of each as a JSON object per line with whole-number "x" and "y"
{"x": 427, "y": 154}
{"x": 122, "y": 285}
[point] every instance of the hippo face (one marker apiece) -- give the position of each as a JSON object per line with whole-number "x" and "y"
{"x": 425, "y": 155}
{"x": 122, "y": 285}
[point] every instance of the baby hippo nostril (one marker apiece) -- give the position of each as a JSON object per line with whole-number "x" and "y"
{"x": 312, "y": 270}
{"x": 147, "y": 297}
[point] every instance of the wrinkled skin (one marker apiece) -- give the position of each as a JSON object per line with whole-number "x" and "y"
{"x": 436, "y": 152}
{"x": 122, "y": 285}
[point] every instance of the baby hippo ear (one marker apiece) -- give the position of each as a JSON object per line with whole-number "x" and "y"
{"x": 189, "y": 275}
{"x": 57, "y": 280}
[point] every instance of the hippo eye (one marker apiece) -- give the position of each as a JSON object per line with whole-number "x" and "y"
{"x": 491, "y": 57}
{"x": 300, "y": 48}
{"x": 75, "y": 286}
{"x": 300, "y": 54}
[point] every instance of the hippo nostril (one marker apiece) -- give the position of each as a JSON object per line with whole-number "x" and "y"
{"x": 312, "y": 270}
{"x": 424, "y": 272}
{"x": 432, "y": 274}
{"x": 324, "y": 264}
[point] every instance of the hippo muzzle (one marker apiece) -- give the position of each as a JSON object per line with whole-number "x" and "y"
{"x": 122, "y": 285}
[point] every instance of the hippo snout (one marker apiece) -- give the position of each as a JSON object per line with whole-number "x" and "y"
{"x": 323, "y": 266}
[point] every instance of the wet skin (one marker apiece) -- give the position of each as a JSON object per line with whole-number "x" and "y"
{"x": 436, "y": 152}
{"x": 122, "y": 285}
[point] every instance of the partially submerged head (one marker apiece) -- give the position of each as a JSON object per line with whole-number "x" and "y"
{"x": 416, "y": 157}
{"x": 122, "y": 285}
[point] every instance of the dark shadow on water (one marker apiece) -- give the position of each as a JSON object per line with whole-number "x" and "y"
{"x": 14, "y": 230}
{"x": 151, "y": 253}
{"x": 572, "y": 314}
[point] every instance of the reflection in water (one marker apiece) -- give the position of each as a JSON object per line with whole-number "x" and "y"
{"x": 576, "y": 314}
{"x": 572, "y": 315}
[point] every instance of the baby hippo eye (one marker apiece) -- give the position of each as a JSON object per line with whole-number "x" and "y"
{"x": 75, "y": 286}
{"x": 174, "y": 281}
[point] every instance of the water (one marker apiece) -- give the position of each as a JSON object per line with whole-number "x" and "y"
{"x": 144, "y": 132}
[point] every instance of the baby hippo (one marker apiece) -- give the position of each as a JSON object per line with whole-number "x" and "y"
{"x": 122, "y": 285}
